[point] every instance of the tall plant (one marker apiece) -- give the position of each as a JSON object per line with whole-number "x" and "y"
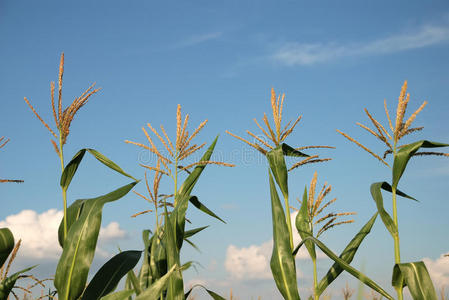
{"x": 414, "y": 275}
{"x": 163, "y": 246}
{"x": 282, "y": 262}
{"x": 80, "y": 226}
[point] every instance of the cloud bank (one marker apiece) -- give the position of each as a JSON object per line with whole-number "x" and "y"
{"x": 39, "y": 234}
{"x": 253, "y": 262}
{"x": 438, "y": 270}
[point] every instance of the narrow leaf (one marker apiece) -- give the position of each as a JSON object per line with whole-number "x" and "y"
{"x": 303, "y": 225}
{"x": 189, "y": 183}
{"x": 404, "y": 154}
{"x": 282, "y": 261}
{"x": 347, "y": 255}
{"x": 154, "y": 291}
{"x": 386, "y": 218}
{"x": 214, "y": 295}
{"x": 194, "y": 200}
{"x": 278, "y": 167}
{"x": 416, "y": 277}
{"x": 121, "y": 295}
{"x": 7, "y": 284}
{"x": 109, "y": 163}
{"x": 192, "y": 232}
{"x": 110, "y": 274}
{"x": 354, "y": 272}
{"x": 145, "y": 278}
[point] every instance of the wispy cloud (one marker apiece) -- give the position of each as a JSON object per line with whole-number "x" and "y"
{"x": 311, "y": 53}
{"x": 198, "y": 39}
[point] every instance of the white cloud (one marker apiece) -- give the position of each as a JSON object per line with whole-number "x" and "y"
{"x": 39, "y": 233}
{"x": 438, "y": 270}
{"x": 307, "y": 54}
{"x": 253, "y": 262}
{"x": 198, "y": 39}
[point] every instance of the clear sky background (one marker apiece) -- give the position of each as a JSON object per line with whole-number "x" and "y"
{"x": 219, "y": 60}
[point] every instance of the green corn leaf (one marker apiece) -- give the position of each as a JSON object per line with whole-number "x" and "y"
{"x": 72, "y": 166}
{"x": 110, "y": 274}
{"x": 155, "y": 290}
{"x": 8, "y": 283}
{"x": 73, "y": 213}
{"x": 79, "y": 248}
{"x": 277, "y": 164}
{"x": 70, "y": 169}
{"x": 387, "y": 187}
{"x": 145, "y": 272}
{"x": 214, "y": 295}
{"x": 189, "y": 183}
{"x": 109, "y": 163}
{"x": 347, "y": 255}
{"x": 121, "y": 295}
{"x": 405, "y": 153}
{"x": 416, "y": 277}
{"x": 192, "y": 244}
{"x": 6, "y": 244}
{"x": 175, "y": 287}
{"x": 282, "y": 262}
{"x": 303, "y": 225}
{"x": 129, "y": 285}
{"x": 386, "y": 218}
{"x": 194, "y": 200}
{"x": 133, "y": 282}
{"x": 158, "y": 258}
{"x": 343, "y": 264}
{"x": 194, "y": 231}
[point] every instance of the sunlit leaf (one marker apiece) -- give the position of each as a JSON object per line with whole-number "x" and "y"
{"x": 282, "y": 261}
{"x": 416, "y": 277}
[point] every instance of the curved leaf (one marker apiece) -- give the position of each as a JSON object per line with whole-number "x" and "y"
{"x": 6, "y": 244}
{"x": 194, "y": 231}
{"x": 79, "y": 248}
{"x": 282, "y": 262}
{"x": 416, "y": 277}
{"x": 278, "y": 167}
{"x": 110, "y": 274}
{"x": 73, "y": 213}
{"x": 72, "y": 166}
{"x": 121, "y": 295}
{"x": 189, "y": 183}
{"x": 214, "y": 295}
{"x": 194, "y": 200}
{"x": 303, "y": 225}
{"x": 387, "y": 187}
{"x": 386, "y": 218}
{"x": 154, "y": 291}
{"x": 8, "y": 283}
{"x": 405, "y": 153}
{"x": 354, "y": 272}
{"x": 145, "y": 278}
{"x": 175, "y": 288}
{"x": 347, "y": 255}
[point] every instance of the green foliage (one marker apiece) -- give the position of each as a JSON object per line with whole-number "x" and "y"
{"x": 416, "y": 277}
{"x": 282, "y": 262}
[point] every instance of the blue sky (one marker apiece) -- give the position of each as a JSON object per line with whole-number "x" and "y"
{"x": 219, "y": 60}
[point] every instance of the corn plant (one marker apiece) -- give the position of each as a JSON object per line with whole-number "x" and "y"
{"x": 414, "y": 275}
{"x": 80, "y": 227}
{"x": 282, "y": 261}
{"x": 161, "y": 261}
